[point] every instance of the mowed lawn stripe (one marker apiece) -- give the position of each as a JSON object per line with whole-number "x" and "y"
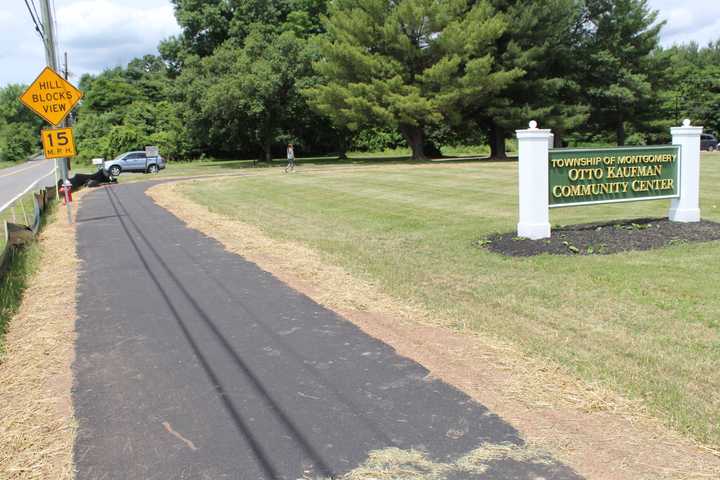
{"x": 642, "y": 323}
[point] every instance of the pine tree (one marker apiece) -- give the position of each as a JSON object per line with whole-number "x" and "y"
{"x": 408, "y": 64}
{"x": 620, "y": 73}
{"x": 542, "y": 40}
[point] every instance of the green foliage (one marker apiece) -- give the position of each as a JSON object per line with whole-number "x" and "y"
{"x": 128, "y": 109}
{"x": 542, "y": 40}
{"x": 19, "y": 127}
{"x": 13, "y": 111}
{"x": 621, "y": 72}
{"x": 20, "y": 140}
{"x": 408, "y": 65}
{"x": 240, "y": 96}
{"x": 208, "y": 24}
{"x": 692, "y": 87}
{"x": 245, "y": 78}
{"x": 376, "y": 140}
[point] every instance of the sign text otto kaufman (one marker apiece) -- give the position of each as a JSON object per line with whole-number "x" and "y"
{"x": 587, "y": 176}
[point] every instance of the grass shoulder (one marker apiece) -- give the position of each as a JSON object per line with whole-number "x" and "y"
{"x": 20, "y": 265}
{"x": 6, "y": 164}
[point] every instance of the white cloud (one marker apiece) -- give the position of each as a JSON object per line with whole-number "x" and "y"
{"x": 105, "y": 33}
{"x": 97, "y": 34}
{"x": 691, "y": 20}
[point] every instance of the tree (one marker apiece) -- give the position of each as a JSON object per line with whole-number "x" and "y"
{"x": 245, "y": 95}
{"x": 19, "y": 127}
{"x": 408, "y": 64}
{"x": 128, "y": 108}
{"x": 208, "y": 24}
{"x": 619, "y": 66}
{"x": 692, "y": 85}
{"x": 20, "y": 141}
{"x": 542, "y": 40}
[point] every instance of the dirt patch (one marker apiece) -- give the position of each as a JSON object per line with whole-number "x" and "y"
{"x": 597, "y": 432}
{"x": 37, "y": 425}
{"x": 605, "y": 238}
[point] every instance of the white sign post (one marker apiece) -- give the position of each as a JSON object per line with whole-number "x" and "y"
{"x": 686, "y": 208}
{"x": 533, "y": 144}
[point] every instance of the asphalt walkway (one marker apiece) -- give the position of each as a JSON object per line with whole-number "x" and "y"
{"x": 193, "y": 363}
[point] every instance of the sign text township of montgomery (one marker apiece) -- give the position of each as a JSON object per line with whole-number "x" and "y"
{"x": 583, "y": 176}
{"x": 51, "y": 96}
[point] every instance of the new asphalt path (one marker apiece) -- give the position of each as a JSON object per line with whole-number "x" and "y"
{"x": 193, "y": 363}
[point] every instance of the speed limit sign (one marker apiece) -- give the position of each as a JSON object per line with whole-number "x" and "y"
{"x": 58, "y": 142}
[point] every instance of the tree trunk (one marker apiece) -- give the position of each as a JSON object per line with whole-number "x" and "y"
{"x": 497, "y": 143}
{"x": 620, "y": 132}
{"x": 267, "y": 147}
{"x": 415, "y": 139}
{"x": 558, "y": 139}
{"x": 267, "y": 152}
{"x": 342, "y": 145}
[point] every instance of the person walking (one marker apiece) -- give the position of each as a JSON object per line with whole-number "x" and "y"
{"x": 290, "y": 158}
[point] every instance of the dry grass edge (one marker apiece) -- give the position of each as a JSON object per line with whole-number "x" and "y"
{"x": 37, "y": 425}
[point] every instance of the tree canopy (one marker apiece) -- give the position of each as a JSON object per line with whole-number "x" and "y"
{"x": 408, "y": 65}
{"x": 245, "y": 77}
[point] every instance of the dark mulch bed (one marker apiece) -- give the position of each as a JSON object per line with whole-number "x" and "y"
{"x": 605, "y": 238}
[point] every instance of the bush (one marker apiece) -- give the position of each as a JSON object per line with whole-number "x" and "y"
{"x": 377, "y": 140}
{"x": 636, "y": 139}
{"x": 21, "y": 141}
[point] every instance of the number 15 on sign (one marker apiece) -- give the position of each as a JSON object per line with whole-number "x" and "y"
{"x": 58, "y": 142}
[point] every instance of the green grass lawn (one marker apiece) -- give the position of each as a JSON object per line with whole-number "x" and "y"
{"x": 6, "y": 164}
{"x": 646, "y": 324}
{"x": 219, "y": 167}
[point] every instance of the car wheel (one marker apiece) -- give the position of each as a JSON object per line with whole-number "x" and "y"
{"x": 711, "y": 149}
{"x": 153, "y": 169}
{"x": 115, "y": 171}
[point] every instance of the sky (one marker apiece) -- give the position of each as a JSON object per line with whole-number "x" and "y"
{"x": 100, "y": 34}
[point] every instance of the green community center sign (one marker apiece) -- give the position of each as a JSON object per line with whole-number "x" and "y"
{"x": 588, "y": 176}
{"x": 566, "y": 177}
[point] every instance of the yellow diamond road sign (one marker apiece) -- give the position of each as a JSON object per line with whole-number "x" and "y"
{"x": 51, "y": 96}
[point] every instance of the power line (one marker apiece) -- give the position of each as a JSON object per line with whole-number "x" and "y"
{"x": 39, "y": 30}
{"x": 37, "y": 15}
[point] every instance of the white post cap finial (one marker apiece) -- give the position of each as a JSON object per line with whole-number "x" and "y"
{"x": 533, "y": 125}
{"x": 686, "y": 122}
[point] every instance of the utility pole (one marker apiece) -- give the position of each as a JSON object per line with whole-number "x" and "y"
{"x": 66, "y": 74}
{"x": 52, "y": 62}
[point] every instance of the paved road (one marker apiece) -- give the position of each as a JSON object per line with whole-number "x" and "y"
{"x": 193, "y": 363}
{"x": 14, "y": 180}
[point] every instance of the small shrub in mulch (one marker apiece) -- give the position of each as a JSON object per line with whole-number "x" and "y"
{"x": 605, "y": 238}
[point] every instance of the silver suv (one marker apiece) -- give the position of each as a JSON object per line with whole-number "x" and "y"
{"x": 134, "y": 162}
{"x": 709, "y": 142}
